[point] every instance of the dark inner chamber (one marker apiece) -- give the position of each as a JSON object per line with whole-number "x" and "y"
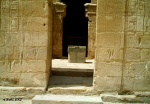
{"x": 75, "y": 24}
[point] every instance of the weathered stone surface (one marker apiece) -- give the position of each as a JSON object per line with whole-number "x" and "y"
{"x": 2, "y": 53}
{"x": 107, "y": 83}
{"x": 109, "y": 54}
{"x": 39, "y": 53}
{"x": 108, "y": 69}
{"x": 33, "y": 79}
{"x": 2, "y": 39}
{"x": 110, "y": 40}
{"x": 9, "y": 79}
{"x": 132, "y": 54}
{"x": 76, "y": 54}
{"x": 128, "y": 83}
{"x": 145, "y": 55}
{"x": 111, "y": 7}
{"x": 135, "y": 69}
{"x": 111, "y": 23}
{"x": 24, "y": 41}
{"x": 143, "y": 83}
{"x": 66, "y": 99}
{"x": 4, "y": 66}
{"x": 19, "y": 92}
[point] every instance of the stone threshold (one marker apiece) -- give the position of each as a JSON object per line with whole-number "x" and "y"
{"x": 66, "y": 99}
{"x": 64, "y": 65}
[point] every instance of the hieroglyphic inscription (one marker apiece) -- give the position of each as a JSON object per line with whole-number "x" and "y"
{"x": 5, "y": 15}
{"x": 147, "y": 24}
{"x": 132, "y": 7}
{"x": 14, "y": 20}
{"x": 141, "y": 7}
{"x": 132, "y": 21}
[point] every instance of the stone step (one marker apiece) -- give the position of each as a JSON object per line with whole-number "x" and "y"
{"x": 67, "y": 80}
{"x": 72, "y": 72}
{"x": 66, "y": 99}
{"x": 61, "y": 67}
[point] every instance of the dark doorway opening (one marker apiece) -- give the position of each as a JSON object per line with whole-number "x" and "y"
{"x": 75, "y": 24}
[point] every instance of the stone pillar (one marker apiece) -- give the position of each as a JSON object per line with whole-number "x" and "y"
{"x": 59, "y": 12}
{"x": 91, "y": 14}
{"x": 109, "y": 45}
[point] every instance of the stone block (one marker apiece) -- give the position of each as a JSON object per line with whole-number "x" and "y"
{"x": 13, "y": 39}
{"x": 145, "y": 42}
{"x": 31, "y": 38}
{"x": 111, "y": 7}
{"x": 2, "y": 53}
{"x": 147, "y": 6}
{"x": 29, "y": 53}
{"x": 32, "y": 53}
{"x": 147, "y": 24}
{"x": 148, "y": 68}
{"x": 108, "y": 69}
{"x": 110, "y": 23}
{"x": 66, "y": 99}
{"x": 9, "y": 79}
{"x": 40, "y": 8}
{"x": 110, "y": 40}
{"x": 135, "y": 69}
{"x": 4, "y": 66}
{"x": 132, "y": 40}
{"x": 145, "y": 55}
{"x": 34, "y": 24}
{"x": 76, "y": 54}
{"x": 142, "y": 83}
{"x": 26, "y": 8}
{"x": 128, "y": 83}
{"x": 13, "y": 53}
{"x": 5, "y": 23}
{"x": 132, "y": 7}
{"x": 132, "y": 54}
{"x": 42, "y": 53}
{"x": 131, "y": 24}
{"x": 107, "y": 83}
{"x": 36, "y": 38}
{"x": 2, "y": 39}
{"x": 140, "y": 23}
{"x": 33, "y": 79}
{"x": 16, "y": 66}
{"x": 44, "y": 38}
{"x": 34, "y": 66}
{"x": 109, "y": 54}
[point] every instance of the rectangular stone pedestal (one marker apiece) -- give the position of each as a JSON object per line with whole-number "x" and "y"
{"x": 76, "y": 54}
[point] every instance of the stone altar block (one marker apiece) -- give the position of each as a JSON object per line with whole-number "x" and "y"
{"x": 76, "y": 54}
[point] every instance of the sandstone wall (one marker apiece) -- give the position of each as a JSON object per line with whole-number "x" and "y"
{"x": 109, "y": 44}
{"x": 136, "y": 70}
{"x": 24, "y": 42}
{"x": 122, "y": 45}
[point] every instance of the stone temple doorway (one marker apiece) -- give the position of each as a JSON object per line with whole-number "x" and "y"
{"x": 75, "y": 25}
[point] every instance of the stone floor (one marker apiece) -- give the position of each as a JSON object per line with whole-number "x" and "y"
{"x": 64, "y": 64}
